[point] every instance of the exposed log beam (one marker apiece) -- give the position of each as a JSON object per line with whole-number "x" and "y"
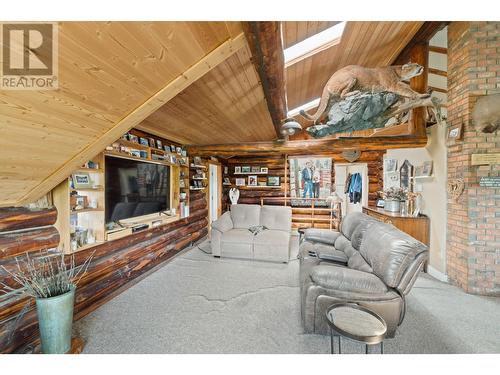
{"x": 308, "y": 147}
{"x": 133, "y": 118}
{"x": 423, "y": 35}
{"x": 264, "y": 39}
{"x": 441, "y": 50}
{"x": 437, "y": 71}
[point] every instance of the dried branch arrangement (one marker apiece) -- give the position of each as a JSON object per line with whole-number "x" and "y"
{"x": 47, "y": 275}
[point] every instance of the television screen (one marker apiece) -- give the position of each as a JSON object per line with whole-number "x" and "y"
{"x": 135, "y": 188}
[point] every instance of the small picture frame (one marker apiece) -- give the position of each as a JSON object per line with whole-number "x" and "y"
{"x": 184, "y": 153}
{"x": 255, "y": 169}
{"x": 246, "y": 169}
{"x": 227, "y": 181}
{"x": 380, "y": 203}
{"x": 178, "y": 150}
{"x": 237, "y": 170}
{"x": 172, "y": 148}
{"x": 197, "y": 160}
{"x": 273, "y": 181}
{"x": 455, "y": 132}
{"x": 159, "y": 144}
{"x": 264, "y": 170}
{"x": 427, "y": 168}
{"x": 252, "y": 180}
{"x": 144, "y": 141}
{"x": 240, "y": 182}
{"x": 81, "y": 180}
{"x": 152, "y": 142}
{"x": 166, "y": 148}
{"x": 133, "y": 138}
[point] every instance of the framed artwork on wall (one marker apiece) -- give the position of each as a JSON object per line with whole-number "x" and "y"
{"x": 237, "y": 169}
{"x": 310, "y": 177}
{"x": 246, "y": 169}
{"x": 240, "y": 182}
{"x": 273, "y": 181}
{"x": 81, "y": 180}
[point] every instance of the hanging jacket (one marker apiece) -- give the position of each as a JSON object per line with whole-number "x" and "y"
{"x": 355, "y": 188}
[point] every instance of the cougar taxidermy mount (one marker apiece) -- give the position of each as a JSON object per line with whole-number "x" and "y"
{"x": 354, "y": 78}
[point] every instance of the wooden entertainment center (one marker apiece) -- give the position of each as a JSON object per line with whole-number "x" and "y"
{"x": 81, "y": 210}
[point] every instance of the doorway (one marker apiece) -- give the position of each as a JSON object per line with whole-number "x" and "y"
{"x": 342, "y": 170}
{"x": 214, "y": 191}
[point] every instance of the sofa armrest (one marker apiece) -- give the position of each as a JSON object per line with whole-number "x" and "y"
{"x": 223, "y": 223}
{"x": 325, "y": 236}
{"x": 347, "y": 280}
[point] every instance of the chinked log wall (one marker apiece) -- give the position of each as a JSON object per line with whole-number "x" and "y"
{"x": 115, "y": 264}
{"x": 276, "y": 165}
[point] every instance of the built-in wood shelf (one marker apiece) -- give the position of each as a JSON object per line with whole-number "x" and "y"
{"x": 87, "y": 210}
{"x": 251, "y": 173}
{"x": 196, "y": 188}
{"x": 194, "y": 166}
{"x": 86, "y": 189}
{"x": 90, "y": 170}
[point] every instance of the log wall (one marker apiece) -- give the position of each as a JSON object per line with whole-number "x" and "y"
{"x": 115, "y": 266}
{"x": 276, "y": 165}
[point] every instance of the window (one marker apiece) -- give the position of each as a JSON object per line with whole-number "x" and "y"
{"x": 314, "y": 44}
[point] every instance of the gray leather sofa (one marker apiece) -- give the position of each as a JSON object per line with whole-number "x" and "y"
{"x": 368, "y": 262}
{"x": 230, "y": 235}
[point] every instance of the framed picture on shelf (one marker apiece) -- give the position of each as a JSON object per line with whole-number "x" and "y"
{"x": 133, "y": 138}
{"x": 427, "y": 168}
{"x": 143, "y": 141}
{"x": 240, "y": 182}
{"x": 255, "y": 169}
{"x": 81, "y": 180}
{"x": 252, "y": 180}
{"x": 166, "y": 148}
{"x": 246, "y": 169}
{"x": 264, "y": 170}
{"x": 391, "y": 165}
{"x": 237, "y": 169}
{"x": 152, "y": 142}
{"x": 273, "y": 181}
{"x": 226, "y": 181}
{"x": 197, "y": 160}
{"x": 159, "y": 145}
{"x": 172, "y": 148}
{"x": 178, "y": 150}
{"x": 418, "y": 170}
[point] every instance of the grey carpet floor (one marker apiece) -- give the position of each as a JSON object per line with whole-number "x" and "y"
{"x": 200, "y": 304}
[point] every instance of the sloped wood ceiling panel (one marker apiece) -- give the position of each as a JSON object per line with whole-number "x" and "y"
{"x": 106, "y": 71}
{"x": 369, "y": 44}
{"x": 227, "y": 105}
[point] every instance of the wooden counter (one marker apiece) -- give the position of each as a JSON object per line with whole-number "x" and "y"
{"x": 417, "y": 227}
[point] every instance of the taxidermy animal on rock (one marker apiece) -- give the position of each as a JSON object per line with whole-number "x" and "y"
{"x": 486, "y": 113}
{"x": 353, "y": 79}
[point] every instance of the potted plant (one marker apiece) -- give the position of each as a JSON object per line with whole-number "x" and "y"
{"x": 51, "y": 280}
{"x": 393, "y": 198}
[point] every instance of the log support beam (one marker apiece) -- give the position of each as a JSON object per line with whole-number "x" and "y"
{"x": 264, "y": 39}
{"x": 308, "y": 147}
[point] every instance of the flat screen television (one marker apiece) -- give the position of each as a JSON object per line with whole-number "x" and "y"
{"x": 135, "y": 188}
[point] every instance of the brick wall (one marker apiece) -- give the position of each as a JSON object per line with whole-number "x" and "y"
{"x": 473, "y": 236}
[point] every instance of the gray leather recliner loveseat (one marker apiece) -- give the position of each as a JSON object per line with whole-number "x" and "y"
{"x": 368, "y": 262}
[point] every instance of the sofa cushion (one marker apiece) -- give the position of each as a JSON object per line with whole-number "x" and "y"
{"x": 359, "y": 233}
{"x": 357, "y": 262}
{"x": 325, "y": 236}
{"x": 342, "y": 242}
{"x": 272, "y": 245}
{"x": 223, "y": 223}
{"x": 245, "y": 216}
{"x": 389, "y": 251}
{"x": 237, "y": 236}
{"x": 276, "y": 217}
{"x": 347, "y": 280}
{"x": 350, "y": 222}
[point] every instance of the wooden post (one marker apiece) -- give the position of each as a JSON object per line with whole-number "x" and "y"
{"x": 419, "y": 54}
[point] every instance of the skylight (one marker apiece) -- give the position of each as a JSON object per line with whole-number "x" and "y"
{"x": 312, "y": 104}
{"x": 314, "y": 44}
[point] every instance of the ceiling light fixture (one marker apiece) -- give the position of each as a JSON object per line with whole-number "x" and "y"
{"x": 290, "y": 127}
{"x": 314, "y": 44}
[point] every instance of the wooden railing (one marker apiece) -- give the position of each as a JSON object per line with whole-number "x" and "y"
{"x": 308, "y": 212}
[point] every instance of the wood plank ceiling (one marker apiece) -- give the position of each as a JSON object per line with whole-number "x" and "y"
{"x": 227, "y": 105}
{"x": 110, "y": 74}
{"x": 369, "y": 44}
